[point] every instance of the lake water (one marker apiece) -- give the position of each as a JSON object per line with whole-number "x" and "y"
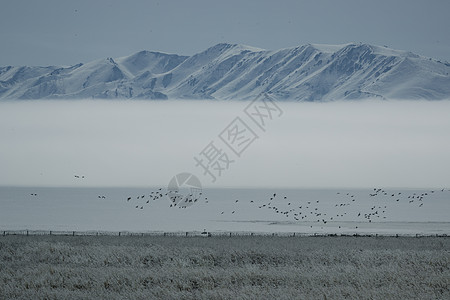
{"x": 342, "y": 211}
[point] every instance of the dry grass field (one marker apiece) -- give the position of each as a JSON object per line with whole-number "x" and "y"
{"x": 239, "y": 267}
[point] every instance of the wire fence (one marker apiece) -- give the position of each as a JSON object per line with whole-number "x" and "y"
{"x": 203, "y": 234}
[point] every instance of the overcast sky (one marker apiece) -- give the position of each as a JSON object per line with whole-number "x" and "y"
{"x": 62, "y": 32}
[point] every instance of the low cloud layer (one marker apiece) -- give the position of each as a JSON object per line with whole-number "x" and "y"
{"x": 145, "y": 143}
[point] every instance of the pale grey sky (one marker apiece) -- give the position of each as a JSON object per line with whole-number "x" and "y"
{"x": 63, "y": 32}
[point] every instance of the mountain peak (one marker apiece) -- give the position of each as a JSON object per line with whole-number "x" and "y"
{"x": 235, "y": 47}
{"x": 312, "y": 72}
{"x": 328, "y": 48}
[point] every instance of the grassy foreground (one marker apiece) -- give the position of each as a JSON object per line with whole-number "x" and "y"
{"x": 246, "y": 267}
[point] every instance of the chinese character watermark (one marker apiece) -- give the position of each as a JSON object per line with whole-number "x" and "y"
{"x": 263, "y": 110}
{"x": 237, "y": 136}
{"x": 213, "y": 161}
{"x": 222, "y": 152}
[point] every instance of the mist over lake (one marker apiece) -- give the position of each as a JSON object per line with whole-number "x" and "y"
{"x": 145, "y": 143}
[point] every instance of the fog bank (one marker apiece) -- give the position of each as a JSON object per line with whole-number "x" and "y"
{"x": 146, "y": 143}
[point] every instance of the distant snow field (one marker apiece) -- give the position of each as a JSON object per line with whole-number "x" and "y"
{"x": 85, "y": 165}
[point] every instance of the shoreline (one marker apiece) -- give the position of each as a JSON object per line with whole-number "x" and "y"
{"x": 207, "y": 234}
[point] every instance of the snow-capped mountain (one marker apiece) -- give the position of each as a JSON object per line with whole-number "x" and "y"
{"x": 229, "y": 71}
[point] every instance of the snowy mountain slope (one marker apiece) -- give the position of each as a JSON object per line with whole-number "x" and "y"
{"x": 229, "y": 71}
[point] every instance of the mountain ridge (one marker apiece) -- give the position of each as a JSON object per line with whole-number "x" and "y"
{"x": 311, "y": 72}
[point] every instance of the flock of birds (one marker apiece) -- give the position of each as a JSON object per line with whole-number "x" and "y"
{"x": 177, "y": 199}
{"x": 307, "y": 211}
{"x": 289, "y": 208}
{"x": 311, "y": 211}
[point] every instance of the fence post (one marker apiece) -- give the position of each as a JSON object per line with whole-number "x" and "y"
{"x": 50, "y": 232}
{"x": 119, "y": 233}
{"x": 27, "y": 232}
{"x": 4, "y": 233}
{"x": 186, "y": 233}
